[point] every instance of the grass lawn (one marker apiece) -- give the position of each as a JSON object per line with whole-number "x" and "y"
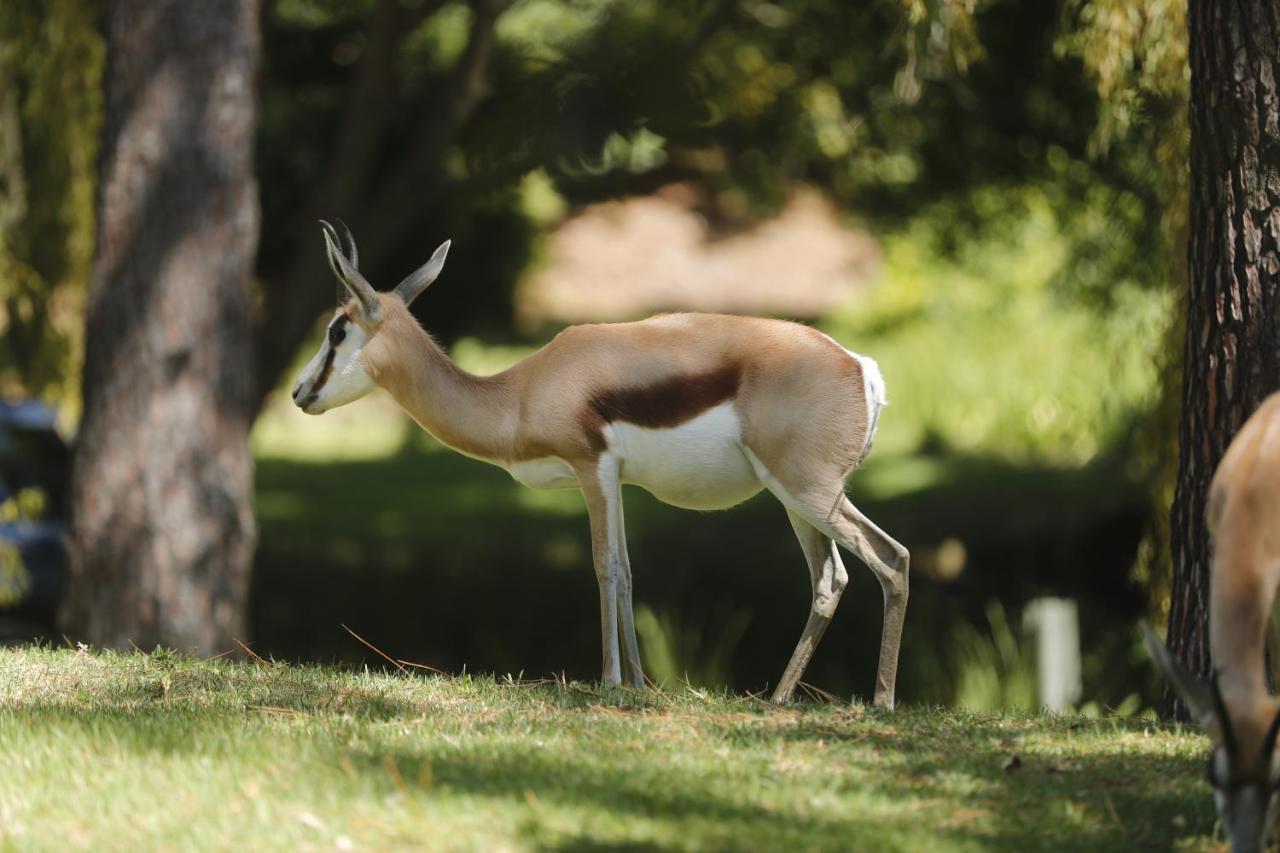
{"x": 108, "y": 751}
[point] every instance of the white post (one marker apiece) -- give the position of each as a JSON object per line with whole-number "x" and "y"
{"x": 1055, "y": 623}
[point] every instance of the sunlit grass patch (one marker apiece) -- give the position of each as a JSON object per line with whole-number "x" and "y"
{"x": 169, "y": 752}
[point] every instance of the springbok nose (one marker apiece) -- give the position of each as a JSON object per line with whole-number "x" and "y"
{"x": 297, "y": 389}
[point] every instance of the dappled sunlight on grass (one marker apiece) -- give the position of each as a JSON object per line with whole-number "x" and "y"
{"x": 213, "y": 754}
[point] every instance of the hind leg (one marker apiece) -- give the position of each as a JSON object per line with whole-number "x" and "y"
{"x": 825, "y": 507}
{"x": 828, "y": 578}
{"x": 890, "y": 562}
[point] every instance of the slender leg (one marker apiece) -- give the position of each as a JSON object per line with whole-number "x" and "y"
{"x": 890, "y": 562}
{"x": 626, "y": 621}
{"x": 828, "y": 577}
{"x": 829, "y": 510}
{"x": 600, "y": 492}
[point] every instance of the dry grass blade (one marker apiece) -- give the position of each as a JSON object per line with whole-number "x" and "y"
{"x": 425, "y": 666}
{"x": 818, "y": 693}
{"x": 250, "y": 652}
{"x": 389, "y": 659}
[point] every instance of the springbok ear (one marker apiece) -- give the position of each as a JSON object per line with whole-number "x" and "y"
{"x": 418, "y": 280}
{"x": 346, "y": 273}
{"x": 1197, "y": 694}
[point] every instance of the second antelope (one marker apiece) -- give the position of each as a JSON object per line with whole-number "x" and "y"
{"x": 701, "y": 410}
{"x": 1235, "y": 706}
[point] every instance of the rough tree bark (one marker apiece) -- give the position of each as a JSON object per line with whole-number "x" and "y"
{"x": 1231, "y": 358}
{"x": 162, "y": 527}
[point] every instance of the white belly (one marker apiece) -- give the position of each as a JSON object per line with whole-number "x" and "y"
{"x": 550, "y": 472}
{"x": 697, "y": 465}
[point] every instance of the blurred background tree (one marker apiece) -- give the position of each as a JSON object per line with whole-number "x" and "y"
{"x": 50, "y": 112}
{"x": 162, "y": 524}
{"x": 1232, "y": 351}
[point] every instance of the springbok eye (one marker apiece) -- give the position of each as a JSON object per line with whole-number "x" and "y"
{"x": 336, "y": 333}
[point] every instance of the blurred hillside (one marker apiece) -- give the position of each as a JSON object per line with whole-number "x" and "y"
{"x": 627, "y": 259}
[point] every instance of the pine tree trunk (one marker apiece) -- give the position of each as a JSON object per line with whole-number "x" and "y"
{"x": 1232, "y": 350}
{"x": 162, "y": 521}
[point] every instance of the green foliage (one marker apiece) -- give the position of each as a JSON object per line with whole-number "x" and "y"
{"x": 698, "y": 653}
{"x": 993, "y": 670}
{"x": 983, "y": 352}
{"x": 172, "y": 752}
{"x": 1136, "y": 52}
{"x": 50, "y": 64}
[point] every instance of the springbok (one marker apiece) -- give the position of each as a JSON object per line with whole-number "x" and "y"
{"x": 1236, "y": 707}
{"x": 702, "y": 410}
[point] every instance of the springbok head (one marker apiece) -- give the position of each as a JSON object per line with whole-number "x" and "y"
{"x": 337, "y": 374}
{"x": 1243, "y": 767}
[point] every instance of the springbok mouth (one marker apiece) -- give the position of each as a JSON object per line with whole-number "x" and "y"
{"x": 306, "y": 404}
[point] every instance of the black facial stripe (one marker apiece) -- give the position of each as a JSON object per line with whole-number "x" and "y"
{"x": 324, "y": 373}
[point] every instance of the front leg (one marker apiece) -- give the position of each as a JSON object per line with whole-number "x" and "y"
{"x": 599, "y": 484}
{"x": 626, "y": 621}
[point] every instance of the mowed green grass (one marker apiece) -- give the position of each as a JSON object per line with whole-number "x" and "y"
{"x": 128, "y": 751}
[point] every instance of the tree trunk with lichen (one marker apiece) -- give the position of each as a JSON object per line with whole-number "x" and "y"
{"x": 1231, "y": 358}
{"x": 162, "y": 522}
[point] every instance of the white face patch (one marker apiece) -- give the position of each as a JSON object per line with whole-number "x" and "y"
{"x": 699, "y": 464}
{"x": 334, "y": 376}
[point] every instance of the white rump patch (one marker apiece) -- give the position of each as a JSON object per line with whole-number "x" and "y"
{"x": 873, "y": 387}
{"x": 877, "y": 398}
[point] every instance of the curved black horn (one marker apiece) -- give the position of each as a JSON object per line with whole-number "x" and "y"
{"x": 349, "y": 244}
{"x": 348, "y": 275}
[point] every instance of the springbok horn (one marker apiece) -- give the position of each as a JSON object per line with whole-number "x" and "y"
{"x": 349, "y": 276}
{"x": 1220, "y": 711}
{"x": 349, "y": 244}
{"x": 418, "y": 280}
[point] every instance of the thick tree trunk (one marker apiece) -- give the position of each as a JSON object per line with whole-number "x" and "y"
{"x": 162, "y": 525}
{"x": 1232, "y": 351}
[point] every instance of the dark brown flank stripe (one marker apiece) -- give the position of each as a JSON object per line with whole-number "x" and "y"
{"x": 668, "y": 403}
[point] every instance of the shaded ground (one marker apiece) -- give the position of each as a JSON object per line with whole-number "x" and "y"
{"x": 168, "y": 752}
{"x": 444, "y": 560}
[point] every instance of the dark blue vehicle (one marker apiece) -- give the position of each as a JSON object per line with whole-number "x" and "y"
{"x": 35, "y": 468}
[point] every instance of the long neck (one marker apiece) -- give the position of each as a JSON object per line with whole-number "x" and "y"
{"x": 474, "y": 415}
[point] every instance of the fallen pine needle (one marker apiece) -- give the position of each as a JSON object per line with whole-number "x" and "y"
{"x": 385, "y": 656}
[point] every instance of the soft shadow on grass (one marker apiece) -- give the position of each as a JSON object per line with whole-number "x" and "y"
{"x": 445, "y": 560}
{"x": 396, "y": 759}
{"x": 923, "y": 783}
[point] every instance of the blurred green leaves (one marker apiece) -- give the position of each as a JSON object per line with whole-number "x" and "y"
{"x": 50, "y": 63}
{"x": 985, "y": 354}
